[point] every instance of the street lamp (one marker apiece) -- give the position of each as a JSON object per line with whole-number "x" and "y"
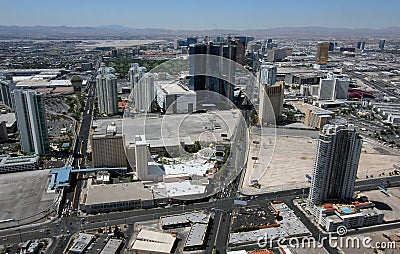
{"x": 19, "y": 229}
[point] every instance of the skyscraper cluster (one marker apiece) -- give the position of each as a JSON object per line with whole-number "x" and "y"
{"x": 333, "y": 88}
{"x": 220, "y": 74}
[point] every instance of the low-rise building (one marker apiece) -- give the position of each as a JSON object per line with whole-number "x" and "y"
{"x": 10, "y": 164}
{"x": 152, "y": 242}
{"x": 317, "y": 118}
{"x": 113, "y": 246}
{"x": 331, "y": 216}
{"x": 11, "y": 122}
{"x": 196, "y": 238}
{"x": 33, "y": 247}
{"x": 173, "y": 97}
{"x": 114, "y": 197}
{"x": 81, "y": 243}
{"x": 390, "y": 111}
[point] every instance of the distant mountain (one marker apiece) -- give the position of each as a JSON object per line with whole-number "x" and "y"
{"x": 117, "y": 31}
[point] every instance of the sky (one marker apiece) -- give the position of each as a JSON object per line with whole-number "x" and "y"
{"x": 203, "y": 14}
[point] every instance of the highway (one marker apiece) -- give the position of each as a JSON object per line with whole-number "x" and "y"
{"x": 381, "y": 86}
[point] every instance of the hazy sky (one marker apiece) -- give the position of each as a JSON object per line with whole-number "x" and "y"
{"x": 203, "y": 14}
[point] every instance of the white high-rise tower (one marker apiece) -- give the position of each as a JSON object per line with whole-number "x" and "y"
{"x": 31, "y": 120}
{"x": 336, "y": 164}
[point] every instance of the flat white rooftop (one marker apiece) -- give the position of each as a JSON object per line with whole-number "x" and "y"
{"x": 184, "y": 188}
{"x": 151, "y": 241}
{"x": 154, "y": 236}
{"x": 172, "y": 87}
{"x": 189, "y": 168}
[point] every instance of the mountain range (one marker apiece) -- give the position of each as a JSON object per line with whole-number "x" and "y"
{"x": 121, "y": 32}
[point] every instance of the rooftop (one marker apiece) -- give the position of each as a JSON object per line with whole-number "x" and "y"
{"x": 196, "y": 235}
{"x": 149, "y": 241}
{"x": 195, "y": 217}
{"x": 190, "y": 168}
{"x": 172, "y": 87}
{"x": 187, "y": 187}
{"x": 7, "y": 160}
{"x": 111, "y": 247}
{"x": 9, "y": 118}
{"x": 161, "y": 131}
{"x": 81, "y": 243}
{"x": 102, "y": 126}
{"x": 153, "y": 236}
{"x": 99, "y": 194}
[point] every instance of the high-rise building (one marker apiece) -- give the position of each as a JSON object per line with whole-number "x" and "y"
{"x": 179, "y": 43}
{"x": 5, "y": 95}
{"x": 333, "y": 88}
{"x": 240, "y": 50}
{"x": 108, "y": 147}
{"x": 145, "y": 94}
{"x": 220, "y": 75}
{"x": 76, "y": 82}
{"x": 141, "y": 158}
{"x": 361, "y": 45}
{"x": 341, "y": 88}
{"x": 271, "y": 103}
{"x": 331, "y": 46}
{"x": 191, "y": 40}
{"x": 276, "y": 54}
{"x": 322, "y": 53}
{"x": 382, "y": 44}
{"x": 244, "y": 39}
{"x": 336, "y": 164}
{"x": 317, "y": 118}
{"x": 3, "y": 131}
{"x": 31, "y": 121}
{"x": 326, "y": 89}
{"x": 133, "y": 70}
{"x": 107, "y": 93}
{"x": 197, "y": 67}
{"x": 107, "y": 97}
{"x": 267, "y": 74}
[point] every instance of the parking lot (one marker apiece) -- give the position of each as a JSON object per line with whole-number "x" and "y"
{"x": 248, "y": 217}
{"x": 388, "y": 204}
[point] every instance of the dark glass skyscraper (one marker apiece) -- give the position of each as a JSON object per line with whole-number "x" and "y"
{"x": 220, "y": 74}
{"x": 382, "y": 44}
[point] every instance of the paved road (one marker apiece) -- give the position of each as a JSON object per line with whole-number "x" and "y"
{"x": 222, "y": 217}
{"x": 382, "y": 87}
{"x": 80, "y": 148}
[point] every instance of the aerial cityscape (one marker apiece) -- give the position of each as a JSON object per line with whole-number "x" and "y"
{"x": 216, "y": 127}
